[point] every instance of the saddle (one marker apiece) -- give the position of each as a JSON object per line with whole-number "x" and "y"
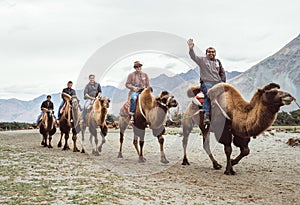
{"x": 124, "y": 112}
{"x": 198, "y": 99}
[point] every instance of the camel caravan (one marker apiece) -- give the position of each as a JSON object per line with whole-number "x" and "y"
{"x": 233, "y": 120}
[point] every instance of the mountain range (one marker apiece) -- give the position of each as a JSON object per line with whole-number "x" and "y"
{"x": 283, "y": 68}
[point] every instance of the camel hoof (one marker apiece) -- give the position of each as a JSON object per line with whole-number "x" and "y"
{"x": 99, "y": 149}
{"x": 66, "y": 148}
{"x": 142, "y": 159}
{"x": 164, "y": 161}
{"x": 95, "y": 153}
{"x": 50, "y": 146}
{"x": 120, "y": 155}
{"x": 229, "y": 172}
{"x": 59, "y": 145}
{"x": 217, "y": 166}
{"x": 42, "y": 143}
{"x": 82, "y": 151}
{"x": 185, "y": 162}
{"x": 76, "y": 150}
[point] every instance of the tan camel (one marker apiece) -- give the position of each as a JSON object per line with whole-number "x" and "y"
{"x": 149, "y": 111}
{"x": 69, "y": 121}
{"x": 47, "y": 127}
{"x": 97, "y": 117}
{"x": 234, "y": 119}
{"x": 243, "y": 119}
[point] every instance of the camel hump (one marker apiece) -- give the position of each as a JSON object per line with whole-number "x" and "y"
{"x": 193, "y": 91}
{"x": 219, "y": 89}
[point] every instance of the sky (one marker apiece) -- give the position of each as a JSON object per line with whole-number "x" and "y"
{"x": 45, "y": 43}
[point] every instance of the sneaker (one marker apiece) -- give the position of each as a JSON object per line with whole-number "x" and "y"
{"x": 131, "y": 119}
{"x": 206, "y": 119}
{"x": 81, "y": 122}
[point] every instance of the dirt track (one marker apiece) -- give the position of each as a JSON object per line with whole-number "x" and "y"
{"x": 31, "y": 174}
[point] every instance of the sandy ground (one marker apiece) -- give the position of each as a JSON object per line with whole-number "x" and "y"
{"x": 31, "y": 174}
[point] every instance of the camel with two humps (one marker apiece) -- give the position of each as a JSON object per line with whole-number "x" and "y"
{"x": 69, "y": 121}
{"x": 94, "y": 119}
{"x": 149, "y": 111}
{"x": 47, "y": 127}
{"x": 243, "y": 119}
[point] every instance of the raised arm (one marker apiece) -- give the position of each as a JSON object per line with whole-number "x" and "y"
{"x": 191, "y": 51}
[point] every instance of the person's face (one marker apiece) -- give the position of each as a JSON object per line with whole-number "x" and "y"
{"x": 138, "y": 68}
{"x": 92, "y": 79}
{"x": 48, "y": 99}
{"x": 211, "y": 53}
{"x": 70, "y": 85}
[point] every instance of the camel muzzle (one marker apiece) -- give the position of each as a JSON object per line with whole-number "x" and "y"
{"x": 287, "y": 100}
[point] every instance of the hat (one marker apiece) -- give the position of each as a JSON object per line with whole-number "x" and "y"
{"x": 137, "y": 64}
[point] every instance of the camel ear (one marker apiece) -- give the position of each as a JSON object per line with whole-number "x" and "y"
{"x": 271, "y": 86}
{"x": 260, "y": 91}
{"x": 163, "y": 93}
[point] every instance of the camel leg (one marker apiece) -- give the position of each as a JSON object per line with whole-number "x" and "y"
{"x": 45, "y": 140}
{"x": 229, "y": 169}
{"x": 59, "y": 143}
{"x": 50, "y": 138}
{"x": 123, "y": 126}
{"x": 135, "y": 144}
{"x": 163, "y": 158}
{"x": 186, "y": 130}
{"x": 141, "y": 157}
{"x": 66, "y": 146}
{"x": 74, "y": 138}
{"x": 206, "y": 146}
{"x": 103, "y": 134}
{"x": 184, "y": 144}
{"x": 244, "y": 149}
{"x": 121, "y": 144}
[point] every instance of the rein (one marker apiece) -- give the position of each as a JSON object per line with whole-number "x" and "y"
{"x": 296, "y": 102}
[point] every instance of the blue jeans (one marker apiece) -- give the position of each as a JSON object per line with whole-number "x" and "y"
{"x": 205, "y": 86}
{"x": 59, "y": 108}
{"x": 133, "y": 98}
{"x": 85, "y": 107}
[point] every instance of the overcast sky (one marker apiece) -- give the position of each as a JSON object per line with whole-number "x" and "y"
{"x": 43, "y": 44}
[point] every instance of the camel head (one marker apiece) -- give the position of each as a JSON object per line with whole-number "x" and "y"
{"x": 272, "y": 95}
{"x": 166, "y": 100}
{"x": 104, "y": 101}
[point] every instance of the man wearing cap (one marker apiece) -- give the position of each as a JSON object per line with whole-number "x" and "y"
{"x": 48, "y": 104}
{"x": 68, "y": 90}
{"x": 136, "y": 82}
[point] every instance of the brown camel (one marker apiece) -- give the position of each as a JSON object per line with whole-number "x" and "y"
{"x": 194, "y": 116}
{"x": 69, "y": 121}
{"x": 236, "y": 120}
{"x": 97, "y": 117}
{"x": 149, "y": 111}
{"x": 47, "y": 127}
